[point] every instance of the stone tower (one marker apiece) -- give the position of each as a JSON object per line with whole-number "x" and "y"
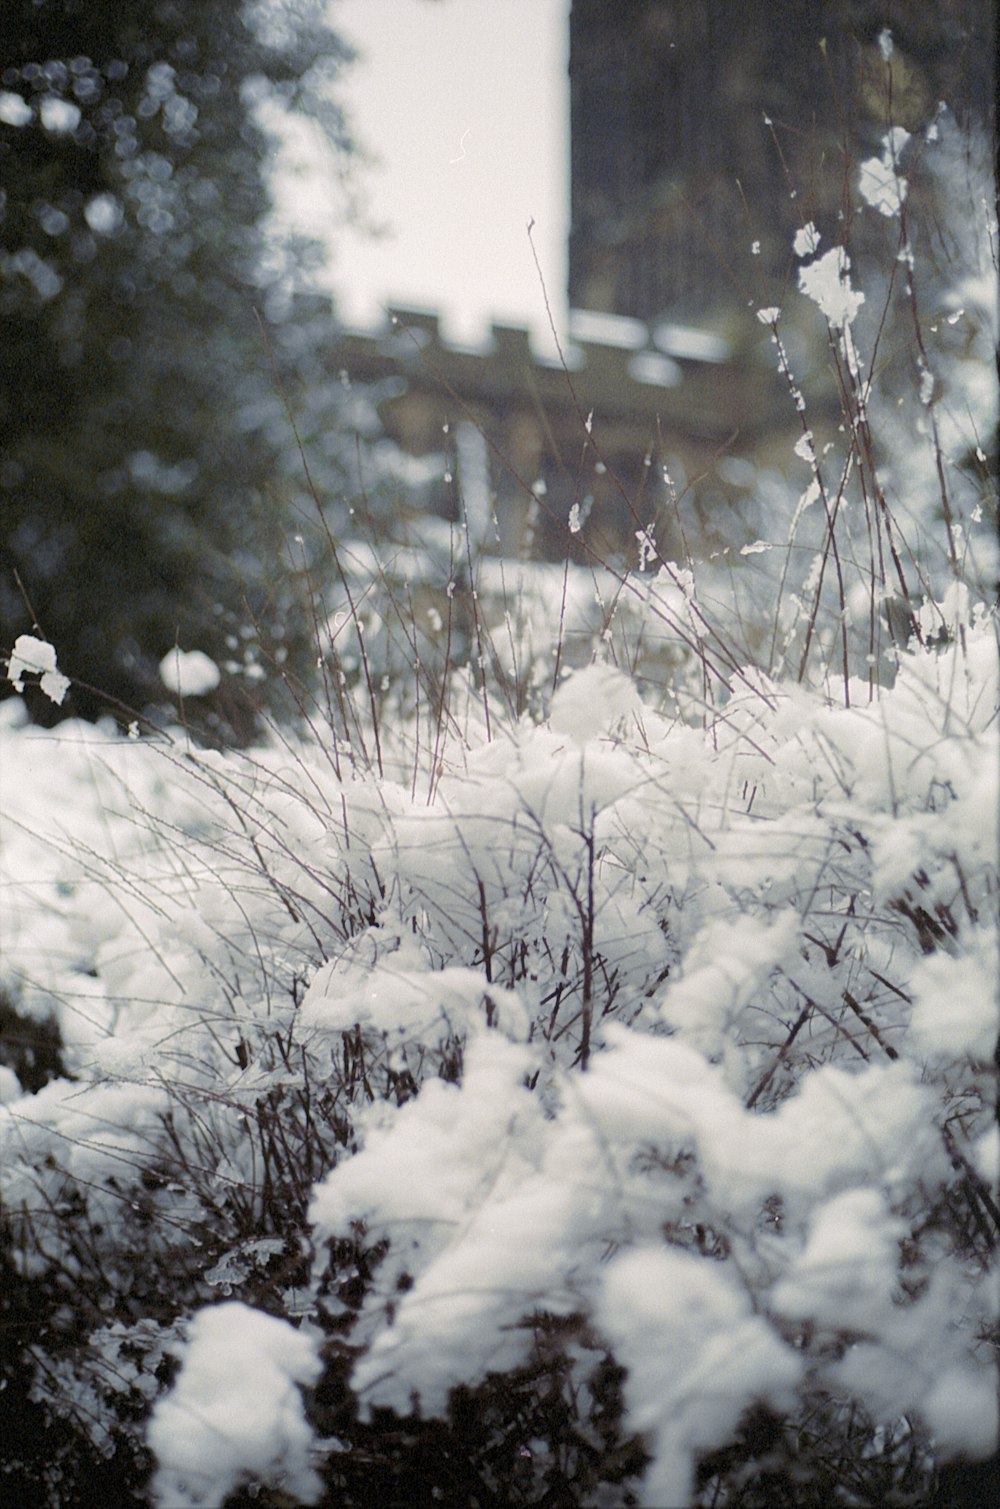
{"x": 676, "y": 173}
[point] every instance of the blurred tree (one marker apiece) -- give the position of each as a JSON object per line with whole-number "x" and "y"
{"x": 149, "y": 325}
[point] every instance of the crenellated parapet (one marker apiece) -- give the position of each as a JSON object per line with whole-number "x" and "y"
{"x": 685, "y": 381}
{"x": 623, "y": 398}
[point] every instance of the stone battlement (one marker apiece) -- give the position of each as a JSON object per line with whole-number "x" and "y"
{"x": 628, "y": 406}
{"x": 685, "y": 382}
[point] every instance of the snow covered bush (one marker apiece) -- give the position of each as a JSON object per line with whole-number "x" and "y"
{"x": 507, "y": 1092}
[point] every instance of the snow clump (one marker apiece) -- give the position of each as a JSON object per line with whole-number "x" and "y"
{"x": 235, "y": 1413}
{"x": 35, "y": 657}
{"x": 189, "y": 673}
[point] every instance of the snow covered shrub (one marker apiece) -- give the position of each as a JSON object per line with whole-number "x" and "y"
{"x": 534, "y": 1087}
{"x": 898, "y": 435}
{"x": 325, "y": 1057}
{"x": 770, "y": 1139}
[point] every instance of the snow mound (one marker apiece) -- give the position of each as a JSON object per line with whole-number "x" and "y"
{"x": 235, "y": 1413}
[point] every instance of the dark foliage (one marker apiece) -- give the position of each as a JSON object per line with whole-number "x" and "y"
{"x": 46, "y": 1462}
{"x": 148, "y": 331}
{"x": 31, "y": 1049}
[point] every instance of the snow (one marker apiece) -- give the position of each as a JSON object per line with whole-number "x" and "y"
{"x": 846, "y": 1274}
{"x": 697, "y": 1357}
{"x": 827, "y": 282}
{"x": 593, "y": 701}
{"x": 410, "y": 1007}
{"x": 34, "y": 657}
{"x": 879, "y": 180}
{"x": 881, "y": 186}
{"x": 103, "y": 213}
{"x": 806, "y": 241}
{"x": 10, "y": 1086}
{"x": 921, "y": 1365}
{"x": 235, "y": 1413}
{"x": 14, "y": 111}
{"x": 454, "y": 1180}
{"x": 956, "y": 1005}
{"x": 189, "y": 673}
{"x": 840, "y": 1129}
{"x": 724, "y": 968}
{"x": 961, "y": 1410}
{"x": 58, "y": 115}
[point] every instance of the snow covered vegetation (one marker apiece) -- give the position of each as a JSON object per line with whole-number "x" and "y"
{"x": 564, "y": 1078}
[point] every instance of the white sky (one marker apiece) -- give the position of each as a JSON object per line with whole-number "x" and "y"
{"x": 465, "y": 105}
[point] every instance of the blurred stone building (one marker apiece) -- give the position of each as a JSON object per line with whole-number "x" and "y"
{"x": 702, "y": 134}
{"x": 702, "y": 127}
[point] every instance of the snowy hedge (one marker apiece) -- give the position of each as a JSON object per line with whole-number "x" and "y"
{"x": 327, "y": 1042}
{"x": 582, "y": 1096}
